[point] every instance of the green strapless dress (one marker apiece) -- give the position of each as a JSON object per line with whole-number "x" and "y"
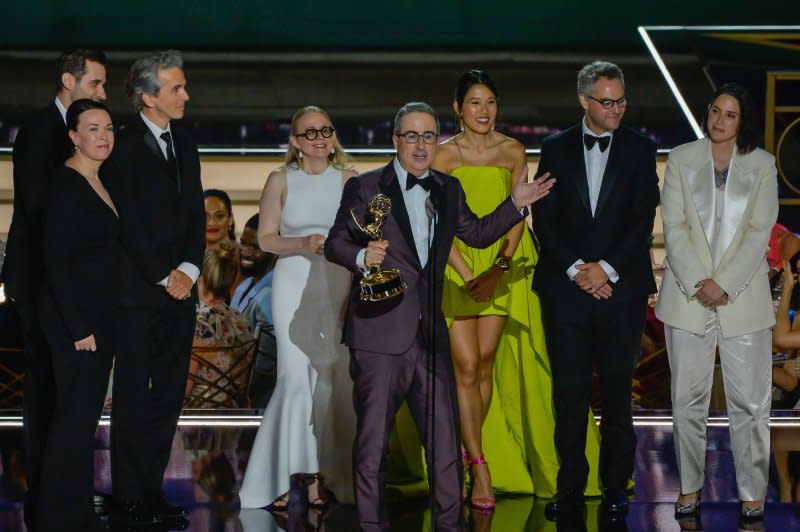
{"x": 518, "y": 432}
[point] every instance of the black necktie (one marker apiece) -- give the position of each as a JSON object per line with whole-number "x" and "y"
{"x": 412, "y": 180}
{"x": 172, "y": 164}
{"x": 589, "y": 140}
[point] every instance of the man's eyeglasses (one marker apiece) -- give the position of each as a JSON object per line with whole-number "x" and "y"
{"x": 412, "y": 137}
{"x": 608, "y": 103}
{"x": 311, "y": 133}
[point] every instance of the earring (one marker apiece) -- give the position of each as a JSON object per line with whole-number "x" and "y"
{"x": 300, "y": 155}
{"x": 460, "y": 122}
{"x": 76, "y": 147}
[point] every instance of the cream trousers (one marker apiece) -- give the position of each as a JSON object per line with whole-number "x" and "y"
{"x": 747, "y": 374}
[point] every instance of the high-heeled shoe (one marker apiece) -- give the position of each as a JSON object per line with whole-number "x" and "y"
{"x": 752, "y": 513}
{"x": 481, "y": 503}
{"x": 691, "y": 509}
{"x": 294, "y": 501}
{"x": 323, "y": 496}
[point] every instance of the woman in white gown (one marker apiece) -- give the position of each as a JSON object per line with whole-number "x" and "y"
{"x": 309, "y": 423}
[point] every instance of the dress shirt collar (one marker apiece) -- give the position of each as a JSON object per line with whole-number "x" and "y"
{"x": 61, "y": 109}
{"x": 586, "y": 131}
{"x": 154, "y": 129}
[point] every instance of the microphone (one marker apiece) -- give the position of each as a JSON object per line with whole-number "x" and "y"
{"x": 430, "y": 209}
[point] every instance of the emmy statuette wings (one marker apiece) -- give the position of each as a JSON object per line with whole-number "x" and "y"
{"x": 378, "y": 284}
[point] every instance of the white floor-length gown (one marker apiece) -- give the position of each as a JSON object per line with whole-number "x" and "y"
{"x": 309, "y": 423}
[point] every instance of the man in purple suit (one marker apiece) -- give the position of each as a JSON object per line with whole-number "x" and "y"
{"x": 399, "y": 347}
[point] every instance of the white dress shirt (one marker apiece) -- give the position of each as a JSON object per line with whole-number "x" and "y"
{"x": 415, "y": 200}
{"x": 595, "y": 161}
{"x": 61, "y": 109}
{"x": 157, "y": 132}
{"x": 186, "y": 267}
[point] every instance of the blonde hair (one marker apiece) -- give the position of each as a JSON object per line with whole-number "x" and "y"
{"x": 338, "y": 159}
{"x": 220, "y": 266}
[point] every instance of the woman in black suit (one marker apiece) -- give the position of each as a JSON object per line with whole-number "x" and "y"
{"x": 77, "y": 311}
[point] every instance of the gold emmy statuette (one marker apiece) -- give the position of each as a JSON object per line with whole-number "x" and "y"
{"x": 378, "y": 284}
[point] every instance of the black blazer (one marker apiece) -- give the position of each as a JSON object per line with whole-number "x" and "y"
{"x": 81, "y": 255}
{"x": 391, "y": 326}
{"x": 162, "y": 221}
{"x": 40, "y": 148}
{"x": 619, "y": 231}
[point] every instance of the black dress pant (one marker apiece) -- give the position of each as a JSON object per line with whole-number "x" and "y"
{"x": 606, "y": 335}
{"x": 81, "y": 380}
{"x": 154, "y": 346}
{"x": 38, "y": 401}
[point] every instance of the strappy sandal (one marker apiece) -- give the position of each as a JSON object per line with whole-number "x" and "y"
{"x": 481, "y": 503}
{"x": 294, "y": 501}
{"x": 324, "y": 496}
{"x": 691, "y": 509}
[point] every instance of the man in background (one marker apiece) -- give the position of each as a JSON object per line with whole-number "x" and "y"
{"x": 40, "y": 148}
{"x": 153, "y": 176}
{"x": 253, "y": 299}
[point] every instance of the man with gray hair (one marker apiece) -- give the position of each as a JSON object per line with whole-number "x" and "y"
{"x": 399, "y": 346}
{"x": 153, "y": 176}
{"x": 593, "y": 277}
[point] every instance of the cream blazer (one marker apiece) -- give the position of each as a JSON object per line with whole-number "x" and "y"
{"x": 687, "y": 212}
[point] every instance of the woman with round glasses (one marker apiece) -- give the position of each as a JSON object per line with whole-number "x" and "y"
{"x": 496, "y": 335}
{"x": 309, "y": 424}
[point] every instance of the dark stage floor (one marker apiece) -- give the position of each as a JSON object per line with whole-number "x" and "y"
{"x": 207, "y": 463}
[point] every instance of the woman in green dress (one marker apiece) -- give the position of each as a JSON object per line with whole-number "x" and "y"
{"x": 496, "y": 336}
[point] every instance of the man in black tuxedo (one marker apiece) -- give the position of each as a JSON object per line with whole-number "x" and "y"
{"x": 153, "y": 176}
{"x": 594, "y": 276}
{"x": 40, "y": 148}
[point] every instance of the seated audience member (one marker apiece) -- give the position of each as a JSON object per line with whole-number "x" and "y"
{"x": 220, "y": 225}
{"x": 217, "y": 326}
{"x": 785, "y": 337}
{"x": 783, "y": 245}
{"x": 253, "y": 298}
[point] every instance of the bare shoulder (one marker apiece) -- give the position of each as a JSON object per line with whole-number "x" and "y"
{"x": 510, "y": 147}
{"x": 447, "y": 157}
{"x": 511, "y": 154}
{"x": 277, "y": 178}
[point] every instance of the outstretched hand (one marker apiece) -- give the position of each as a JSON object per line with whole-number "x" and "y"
{"x": 525, "y": 193}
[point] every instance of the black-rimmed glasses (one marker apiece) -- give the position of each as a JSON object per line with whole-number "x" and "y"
{"x": 311, "y": 133}
{"x": 412, "y": 137}
{"x": 608, "y": 103}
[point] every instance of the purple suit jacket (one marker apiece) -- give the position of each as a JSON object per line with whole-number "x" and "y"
{"x": 390, "y": 326}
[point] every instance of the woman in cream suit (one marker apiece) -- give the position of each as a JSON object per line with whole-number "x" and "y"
{"x": 718, "y": 205}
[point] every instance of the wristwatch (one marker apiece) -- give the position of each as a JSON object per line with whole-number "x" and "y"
{"x": 503, "y": 264}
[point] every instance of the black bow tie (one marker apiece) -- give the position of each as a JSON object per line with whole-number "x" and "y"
{"x": 412, "y": 180}
{"x": 589, "y": 140}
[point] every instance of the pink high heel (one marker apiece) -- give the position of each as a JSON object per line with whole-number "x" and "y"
{"x": 482, "y": 503}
